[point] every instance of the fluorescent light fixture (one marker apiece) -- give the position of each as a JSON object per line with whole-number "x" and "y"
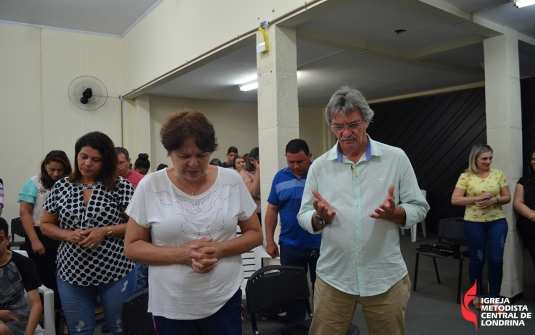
{"x": 252, "y": 85}
{"x": 523, "y": 3}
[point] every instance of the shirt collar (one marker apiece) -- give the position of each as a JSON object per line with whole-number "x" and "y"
{"x": 288, "y": 171}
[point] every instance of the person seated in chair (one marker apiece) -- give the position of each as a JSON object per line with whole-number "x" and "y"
{"x": 18, "y": 316}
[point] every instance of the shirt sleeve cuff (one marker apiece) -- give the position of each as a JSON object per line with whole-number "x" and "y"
{"x": 305, "y": 221}
{"x": 26, "y": 198}
{"x": 411, "y": 216}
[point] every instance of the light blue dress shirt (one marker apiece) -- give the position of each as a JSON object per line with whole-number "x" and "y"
{"x": 360, "y": 255}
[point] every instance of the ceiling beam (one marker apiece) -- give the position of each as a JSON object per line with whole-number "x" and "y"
{"x": 446, "y": 47}
{"x": 427, "y": 93}
{"x": 311, "y": 11}
{"x": 453, "y": 14}
{"x": 358, "y": 46}
{"x": 526, "y": 39}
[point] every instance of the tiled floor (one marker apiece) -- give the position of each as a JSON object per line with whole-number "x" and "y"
{"x": 432, "y": 309}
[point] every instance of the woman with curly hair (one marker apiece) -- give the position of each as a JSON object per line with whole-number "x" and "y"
{"x": 85, "y": 212}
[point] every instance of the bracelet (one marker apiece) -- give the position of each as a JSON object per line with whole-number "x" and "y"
{"x": 110, "y": 233}
{"x": 497, "y": 201}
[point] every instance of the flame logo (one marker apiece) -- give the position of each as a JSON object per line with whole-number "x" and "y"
{"x": 468, "y": 314}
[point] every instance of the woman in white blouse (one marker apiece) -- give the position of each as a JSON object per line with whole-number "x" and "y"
{"x": 192, "y": 210}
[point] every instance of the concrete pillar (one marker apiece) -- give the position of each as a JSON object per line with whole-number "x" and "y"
{"x": 278, "y": 114}
{"x": 136, "y": 127}
{"x": 504, "y": 135}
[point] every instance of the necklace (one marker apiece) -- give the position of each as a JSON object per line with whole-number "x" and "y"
{"x": 87, "y": 186}
{"x": 192, "y": 192}
{"x": 189, "y": 189}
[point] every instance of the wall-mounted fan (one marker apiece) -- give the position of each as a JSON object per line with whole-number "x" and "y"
{"x": 88, "y": 93}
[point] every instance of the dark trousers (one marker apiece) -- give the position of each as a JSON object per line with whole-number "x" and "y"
{"x": 306, "y": 258}
{"x": 526, "y": 229}
{"x": 486, "y": 241}
{"x": 226, "y": 321}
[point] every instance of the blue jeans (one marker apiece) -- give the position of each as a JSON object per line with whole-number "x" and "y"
{"x": 305, "y": 258}
{"x": 486, "y": 240}
{"x": 142, "y": 271}
{"x": 226, "y": 321}
{"x": 79, "y": 303}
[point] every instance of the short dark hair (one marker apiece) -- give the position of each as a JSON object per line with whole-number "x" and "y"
{"x": 296, "y": 146}
{"x": 188, "y": 124}
{"x": 161, "y": 167}
{"x": 104, "y": 145}
{"x": 142, "y": 161}
{"x": 215, "y": 161}
{"x": 121, "y": 150}
{"x": 4, "y": 226}
{"x": 232, "y": 149}
{"x": 57, "y": 156}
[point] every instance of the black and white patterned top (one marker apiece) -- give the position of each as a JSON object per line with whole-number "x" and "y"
{"x": 107, "y": 262}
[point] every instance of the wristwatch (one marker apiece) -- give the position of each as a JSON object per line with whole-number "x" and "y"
{"x": 497, "y": 201}
{"x": 321, "y": 221}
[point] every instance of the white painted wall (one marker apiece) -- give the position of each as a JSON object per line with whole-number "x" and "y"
{"x": 37, "y": 65}
{"x": 314, "y": 130}
{"x": 36, "y": 116}
{"x": 236, "y": 124}
{"x": 179, "y": 30}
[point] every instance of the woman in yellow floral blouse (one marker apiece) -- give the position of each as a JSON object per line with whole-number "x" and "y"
{"x": 483, "y": 191}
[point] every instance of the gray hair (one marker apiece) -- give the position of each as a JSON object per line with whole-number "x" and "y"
{"x": 477, "y": 150}
{"x": 345, "y": 101}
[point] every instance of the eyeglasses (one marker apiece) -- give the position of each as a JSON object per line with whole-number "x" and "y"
{"x": 350, "y": 126}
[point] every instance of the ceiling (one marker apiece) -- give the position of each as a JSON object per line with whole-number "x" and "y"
{"x": 109, "y": 17}
{"x": 354, "y": 44}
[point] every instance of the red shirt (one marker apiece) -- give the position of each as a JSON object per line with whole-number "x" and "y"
{"x": 133, "y": 177}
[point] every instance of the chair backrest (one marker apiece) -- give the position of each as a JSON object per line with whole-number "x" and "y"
{"x": 17, "y": 227}
{"x": 21, "y": 252}
{"x": 452, "y": 230}
{"x": 275, "y": 289}
{"x": 136, "y": 320}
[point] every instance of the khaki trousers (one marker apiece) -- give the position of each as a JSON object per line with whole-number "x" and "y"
{"x": 384, "y": 313}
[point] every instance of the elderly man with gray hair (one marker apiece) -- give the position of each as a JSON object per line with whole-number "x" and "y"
{"x": 357, "y": 195}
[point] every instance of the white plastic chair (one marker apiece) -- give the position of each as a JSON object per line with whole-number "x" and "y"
{"x": 48, "y": 327}
{"x": 414, "y": 228}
